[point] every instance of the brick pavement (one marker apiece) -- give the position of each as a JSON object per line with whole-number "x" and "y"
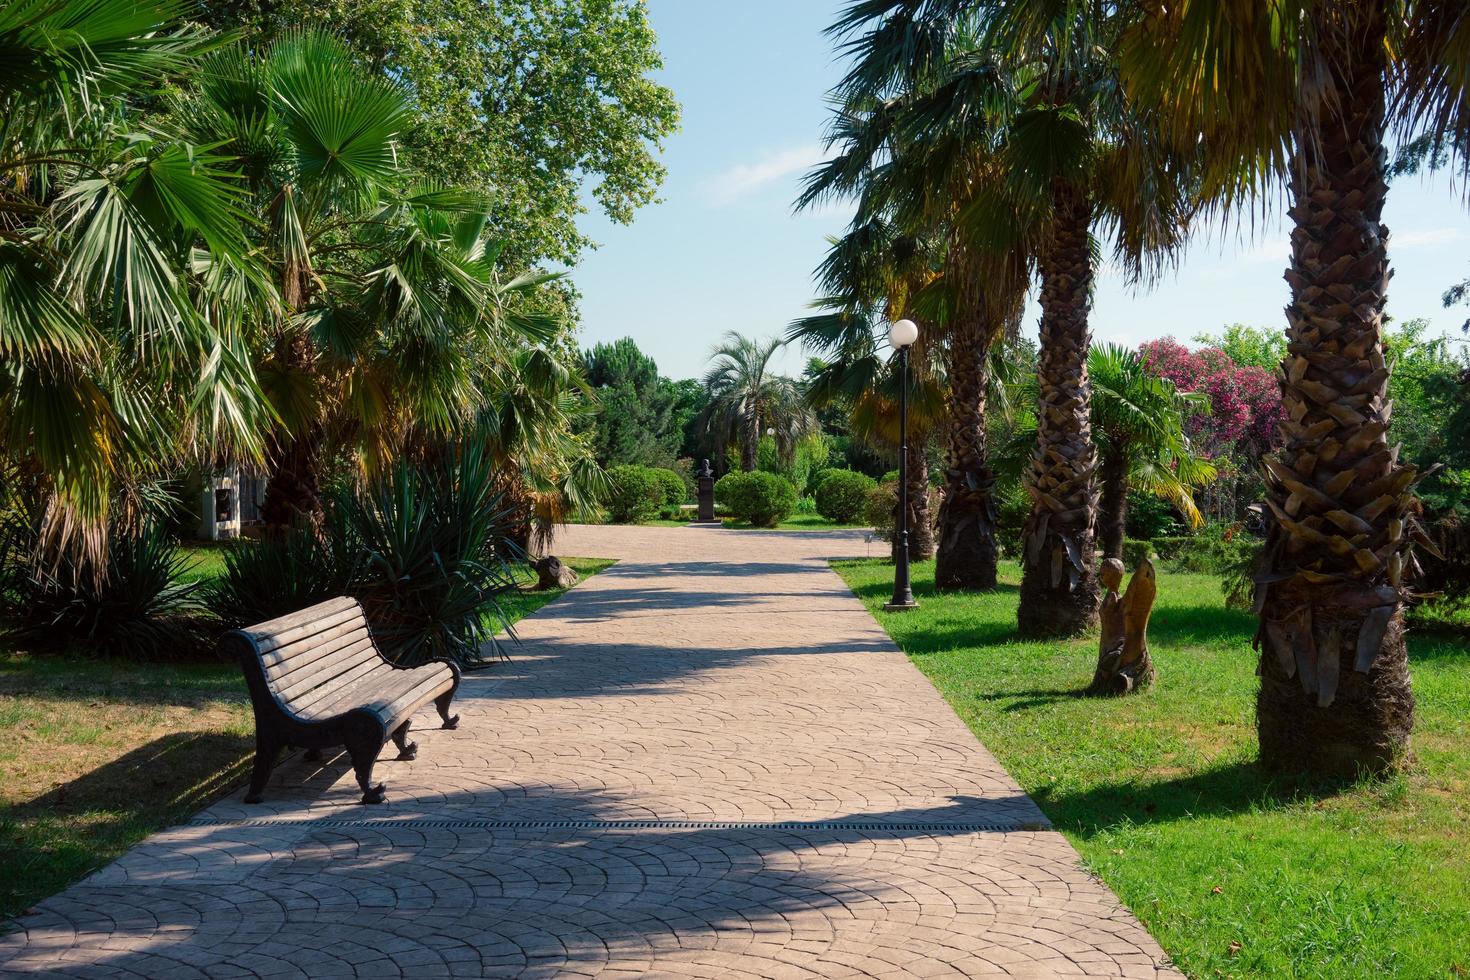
{"x": 708, "y": 761}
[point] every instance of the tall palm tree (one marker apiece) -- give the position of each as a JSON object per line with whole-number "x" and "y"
{"x": 1083, "y": 154}
{"x": 916, "y": 132}
{"x": 1067, "y": 151}
{"x": 747, "y": 397}
{"x": 1138, "y": 425}
{"x": 1301, "y": 94}
{"x": 115, "y": 360}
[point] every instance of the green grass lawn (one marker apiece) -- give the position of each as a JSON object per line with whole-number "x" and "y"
{"x": 1235, "y": 873}
{"x": 204, "y": 561}
{"x": 96, "y": 755}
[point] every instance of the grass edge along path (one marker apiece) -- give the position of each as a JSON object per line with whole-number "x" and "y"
{"x": 1235, "y": 873}
{"x": 95, "y": 755}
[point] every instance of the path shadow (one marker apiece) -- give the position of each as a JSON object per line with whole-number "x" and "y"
{"x": 1035, "y": 697}
{"x": 1234, "y": 788}
{"x": 551, "y": 666}
{"x": 79, "y": 824}
{"x": 553, "y": 898}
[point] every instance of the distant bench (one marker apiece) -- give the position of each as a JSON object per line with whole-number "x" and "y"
{"x": 317, "y": 680}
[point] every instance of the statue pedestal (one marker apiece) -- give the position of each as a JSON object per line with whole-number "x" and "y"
{"x": 705, "y": 480}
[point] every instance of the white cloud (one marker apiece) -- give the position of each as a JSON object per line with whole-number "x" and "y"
{"x": 1425, "y": 238}
{"x": 744, "y": 179}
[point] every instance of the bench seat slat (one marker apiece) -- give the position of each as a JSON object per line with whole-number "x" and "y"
{"x": 378, "y": 690}
{"x": 326, "y": 672}
{"x": 434, "y": 684}
{"x": 270, "y": 643}
{"x": 281, "y": 624}
{"x": 340, "y": 687}
{"x": 286, "y": 658}
{"x": 311, "y": 659}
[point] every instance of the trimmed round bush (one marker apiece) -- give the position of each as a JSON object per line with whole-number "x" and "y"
{"x": 672, "y": 484}
{"x": 635, "y": 494}
{"x": 879, "y": 504}
{"x": 842, "y": 495}
{"x": 761, "y": 499}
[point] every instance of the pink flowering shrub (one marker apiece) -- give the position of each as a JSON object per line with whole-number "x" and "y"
{"x": 1245, "y": 402}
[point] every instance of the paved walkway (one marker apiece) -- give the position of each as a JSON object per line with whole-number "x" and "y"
{"x": 707, "y": 761}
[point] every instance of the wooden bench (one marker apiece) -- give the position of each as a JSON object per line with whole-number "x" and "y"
{"x": 317, "y": 680}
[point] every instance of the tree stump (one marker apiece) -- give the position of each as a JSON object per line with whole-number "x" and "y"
{"x": 553, "y": 573}
{"x": 1123, "y": 663}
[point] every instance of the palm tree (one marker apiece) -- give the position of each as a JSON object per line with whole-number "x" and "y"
{"x": 1035, "y": 85}
{"x": 859, "y": 378}
{"x": 389, "y": 293}
{"x": 1083, "y": 154}
{"x": 1138, "y": 425}
{"x": 548, "y": 470}
{"x": 747, "y": 397}
{"x": 920, "y": 114}
{"x": 116, "y": 360}
{"x": 1301, "y": 95}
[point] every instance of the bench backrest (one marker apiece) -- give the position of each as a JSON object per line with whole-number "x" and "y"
{"x": 311, "y": 654}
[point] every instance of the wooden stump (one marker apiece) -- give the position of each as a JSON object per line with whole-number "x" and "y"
{"x": 1123, "y": 663}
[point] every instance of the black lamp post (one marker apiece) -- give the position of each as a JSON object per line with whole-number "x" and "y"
{"x": 902, "y": 335}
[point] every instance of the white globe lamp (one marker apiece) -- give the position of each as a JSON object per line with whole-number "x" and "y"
{"x": 902, "y": 333}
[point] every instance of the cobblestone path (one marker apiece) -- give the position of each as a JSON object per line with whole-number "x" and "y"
{"x": 707, "y": 761}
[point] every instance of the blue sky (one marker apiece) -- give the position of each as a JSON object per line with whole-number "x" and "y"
{"x": 723, "y": 251}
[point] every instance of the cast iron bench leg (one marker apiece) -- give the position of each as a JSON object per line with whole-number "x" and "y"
{"x": 266, "y": 751}
{"x": 442, "y": 704}
{"x": 364, "y": 754}
{"x": 407, "y": 750}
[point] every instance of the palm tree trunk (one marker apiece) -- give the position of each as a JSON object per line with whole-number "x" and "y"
{"x": 293, "y": 488}
{"x": 921, "y": 522}
{"x": 1059, "y": 590}
{"x": 1113, "y": 517}
{"x": 1335, "y": 694}
{"x": 968, "y": 546}
{"x": 750, "y": 444}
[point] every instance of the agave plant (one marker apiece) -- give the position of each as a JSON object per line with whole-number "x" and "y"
{"x": 433, "y": 560}
{"x": 282, "y": 573}
{"x": 142, "y": 607}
